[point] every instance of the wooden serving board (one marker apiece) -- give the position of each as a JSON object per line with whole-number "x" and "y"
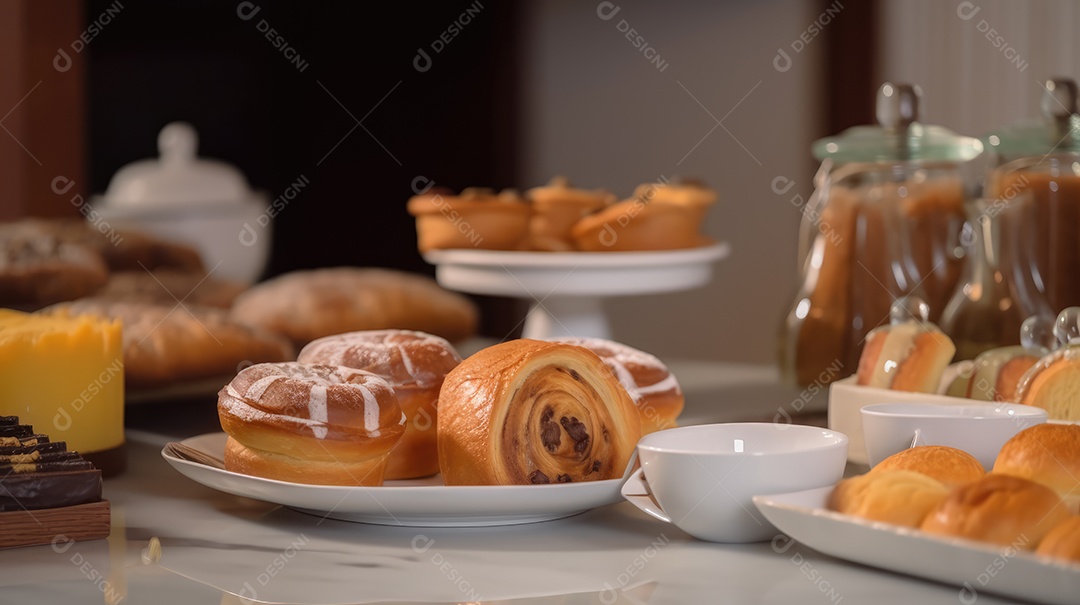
{"x": 43, "y": 526}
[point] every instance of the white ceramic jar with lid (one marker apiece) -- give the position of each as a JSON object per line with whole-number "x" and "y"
{"x": 205, "y": 203}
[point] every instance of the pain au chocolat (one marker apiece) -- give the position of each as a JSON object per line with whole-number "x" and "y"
{"x": 530, "y": 412}
{"x": 651, "y": 386}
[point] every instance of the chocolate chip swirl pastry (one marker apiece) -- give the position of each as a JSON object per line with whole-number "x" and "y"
{"x": 652, "y": 387}
{"x": 306, "y": 423}
{"x": 414, "y": 364}
{"x": 529, "y": 412}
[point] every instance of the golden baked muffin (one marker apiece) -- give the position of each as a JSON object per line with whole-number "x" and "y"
{"x": 557, "y": 207}
{"x": 900, "y": 497}
{"x": 305, "y": 305}
{"x": 475, "y": 219}
{"x": 659, "y": 216}
{"x": 165, "y": 344}
{"x": 948, "y": 465}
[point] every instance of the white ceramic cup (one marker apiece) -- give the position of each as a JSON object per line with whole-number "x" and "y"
{"x": 702, "y": 478}
{"x": 978, "y": 429}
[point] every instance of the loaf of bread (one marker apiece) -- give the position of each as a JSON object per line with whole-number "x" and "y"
{"x": 305, "y": 305}
{"x": 167, "y": 344}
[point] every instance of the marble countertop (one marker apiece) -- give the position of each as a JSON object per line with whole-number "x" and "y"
{"x": 222, "y": 549}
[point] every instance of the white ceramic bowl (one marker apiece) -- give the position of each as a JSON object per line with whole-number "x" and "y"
{"x": 978, "y": 429}
{"x": 847, "y": 399}
{"x": 702, "y": 478}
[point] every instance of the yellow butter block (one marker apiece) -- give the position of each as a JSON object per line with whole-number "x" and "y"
{"x": 65, "y": 376}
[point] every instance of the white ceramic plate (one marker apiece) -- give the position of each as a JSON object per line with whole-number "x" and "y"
{"x": 973, "y": 567}
{"x": 575, "y": 273}
{"x": 413, "y": 503}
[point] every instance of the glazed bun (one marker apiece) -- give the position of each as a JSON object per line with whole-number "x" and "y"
{"x": 907, "y": 356}
{"x": 900, "y": 497}
{"x": 654, "y": 389}
{"x": 414, "y": 364}
{"x": 1063, "y": 541}
{"x": 1048, "y": 454}
{"x": 948, "y": 465}
{"x": 317, "y": 424}
{"x": 999, "y": 509}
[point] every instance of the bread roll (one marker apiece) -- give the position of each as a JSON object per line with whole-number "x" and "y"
{"x": 653, "y": 388}
{"x": 303, "y": 423}
{"x": 169, "y": 344}
{"x": 305, "y": 305}
{"x": 477, "y": 219}
{"x": 1048, "y": 454}
{"x": 900, "y": 497}
{"x": 1063, "y": 541}
{"x": 414, "y": 364}
{"x": 948, "y": 465}
{"x": 908, "y": 356}
{"x": 1003, "y": 510}
{"x": 528, "y": 411}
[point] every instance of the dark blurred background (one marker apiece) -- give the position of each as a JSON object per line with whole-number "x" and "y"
{"x": 202, "y": 63}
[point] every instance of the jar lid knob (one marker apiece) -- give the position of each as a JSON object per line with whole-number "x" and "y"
{"x": 1067, "y": 326}
{"x": 1059, "y": 98}
{"x": 1037, "y": 333}
{"x": 898, "y": 105}
{"x": 909, "y": 308}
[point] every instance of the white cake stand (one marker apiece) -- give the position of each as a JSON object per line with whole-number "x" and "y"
{"x": 566, "y": 289}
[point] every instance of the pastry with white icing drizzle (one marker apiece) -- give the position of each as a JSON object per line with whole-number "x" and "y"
{"x": 308, "y": 423}
{"x": 414, "y": 364}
